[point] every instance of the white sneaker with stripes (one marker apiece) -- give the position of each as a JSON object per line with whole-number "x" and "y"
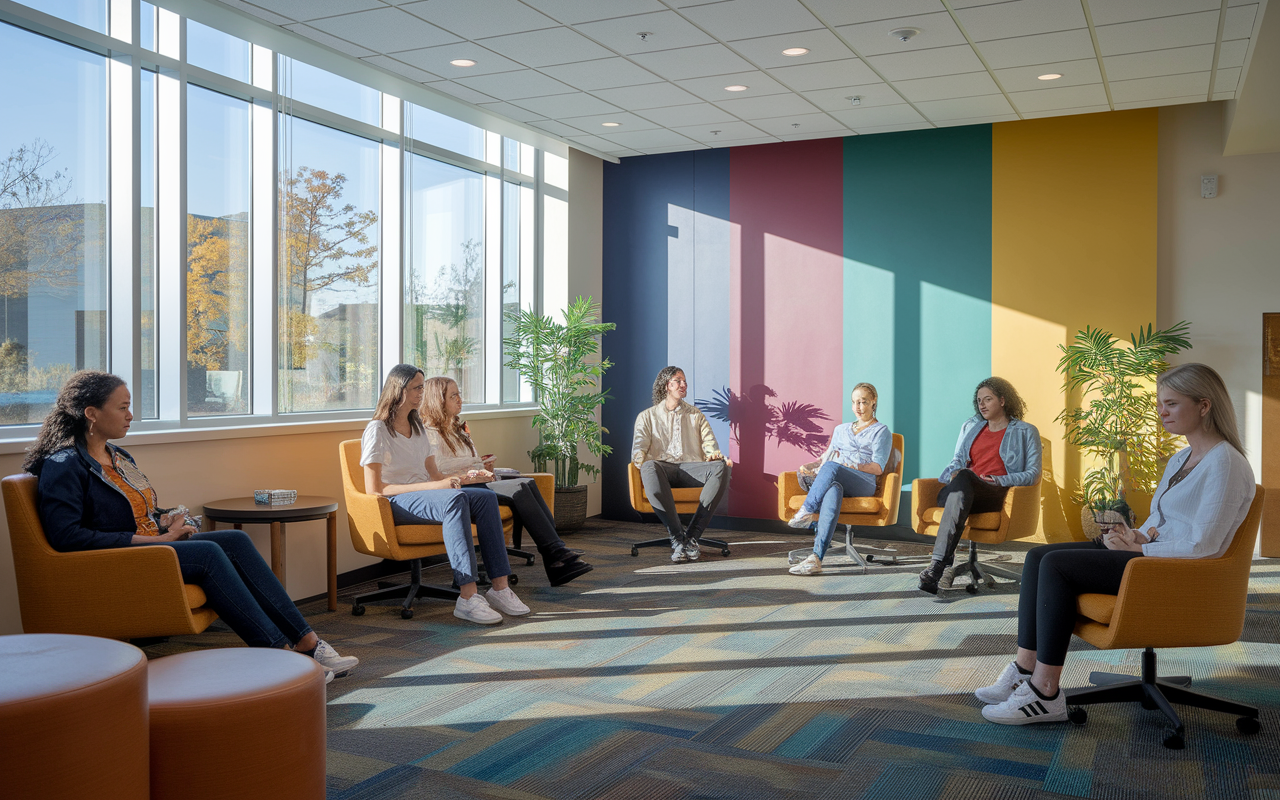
{"x": 1024, "y": 707}
{"x": 999, "y": 691}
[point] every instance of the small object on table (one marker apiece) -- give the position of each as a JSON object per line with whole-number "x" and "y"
{"x": 274, "y": 497}
{"x": 502, "y": 473}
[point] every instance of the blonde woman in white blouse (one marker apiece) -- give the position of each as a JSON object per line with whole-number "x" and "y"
{"x": 456, "y": 457}
{"x": 1201, "y": 500}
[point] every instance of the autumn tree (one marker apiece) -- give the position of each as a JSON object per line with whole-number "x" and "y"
{"x": 217, "y": 272}
{"x": 42, "y": 238}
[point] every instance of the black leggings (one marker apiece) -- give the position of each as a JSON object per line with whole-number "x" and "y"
{"x": 1052, "y": 577}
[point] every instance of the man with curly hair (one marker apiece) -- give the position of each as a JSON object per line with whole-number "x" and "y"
{"x": 674, "y": 445}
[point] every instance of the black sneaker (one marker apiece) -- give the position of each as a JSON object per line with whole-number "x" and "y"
{"x": 930, "y": 575}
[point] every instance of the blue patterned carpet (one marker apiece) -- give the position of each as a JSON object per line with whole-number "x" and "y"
{"x": 729, "y": 678}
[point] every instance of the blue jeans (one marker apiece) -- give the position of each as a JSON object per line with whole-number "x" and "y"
{"x": 455, "y": 510}
{"x": 241, "y": 587}
{"x": 833, "y": 483}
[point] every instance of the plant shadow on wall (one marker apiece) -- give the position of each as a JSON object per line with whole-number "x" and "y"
{"x": 790, "y": 422}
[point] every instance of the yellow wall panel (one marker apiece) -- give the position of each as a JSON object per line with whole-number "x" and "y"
{"x": 1073, "y": 243}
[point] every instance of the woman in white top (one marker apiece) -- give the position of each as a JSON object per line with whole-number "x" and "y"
{"x": 399, "y": 464}
{"x": 456, "y": 457}
{"x": 1202, "y": 499}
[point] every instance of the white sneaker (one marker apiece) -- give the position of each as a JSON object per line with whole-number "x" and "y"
{"x": 328, "y": 676}
{"x": 692, "y": 550}
{"x": 506, "y": 602}
{"x": 329, "y": 659}
{"x": 475, "y": 609}
{"x": 1024, "y": 706}
{"x": 999, "y": 691}
{"x": 677, "y": 552}
{"x": 802, "y": 519}
{"x": 810, "y": 566}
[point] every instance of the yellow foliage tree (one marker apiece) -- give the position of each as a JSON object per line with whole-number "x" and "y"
{"x": 217, "y": 271}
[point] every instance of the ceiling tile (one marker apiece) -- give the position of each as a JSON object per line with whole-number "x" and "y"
{"x": 872, "y": 38}
{"x": 594, "y": 142}
{"x": 692, "y": 62}
{"x": 808, "y": 123}
{"x": 412, "y": 73}
{"x": 669, "y": 29}
{"x": 872, "y": 94}
{"x": 604, "y": 73}
{"x": 1026, "y": 79}
{"x": 745, "y": 142}
{"x": 593, "y": 124}
{"x": 1163, "y": 101}
{"x": 842, "y": 12}
{"x": 461, "y": 92}
{"x": 1158, "y": 34}
{"x": 965, "y": 107}
{"x": 1239, "y": 24}
{"x": 1109, "y": 12}
{"x": 1226, "y": 80}
{"x": 385, "y": 30}
{"x": 757, "y": 84}
{"x": 574, "y": 11}
{"x": 1063, "y": 97}
{"x": 798, "y": 136}
{"x": 927, "y": 63}
{"x": 648, "y": 139}
{"x": 1062, "y": 112}
{"x": 556, "y": 127}
{"x": 1157, "y": 88}
{"x": 567, "y": 105}
{"x": 746, "y": 19}
{"x": 858, "y": 118}
{"x": 957, "y": 123}
{"x": 314, "y": 9}
{"x": 436, "y": 59}
{"x": 827, "y": 75}
{"x": 1159, "y": 62}
{"x": 694, "y": 114}
{"x": 651, "y": 95}
{"x": 546, "y": 47}
{"x": 766, "y": 51}
{"x": 910, "y": 126}
{"x": 1021, "y": 18}
{"x": 724, "y": 130}
{"x": 969, "y": 84}
{"x": 778, "y": 105}
{"x": 325, "y": 39}
{"x": 1231, "y": 54}
{"x": 516, "y": 85}
{"x": 511, "y": 112}
{"x": 260, "y": 13}
{"x": 472, "y": 20}
{"x": 1046, "y": 47}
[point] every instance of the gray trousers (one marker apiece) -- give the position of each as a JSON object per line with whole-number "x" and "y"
{"x": 660, "y": 477}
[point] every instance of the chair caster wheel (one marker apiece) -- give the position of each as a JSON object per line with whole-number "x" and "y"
{"x": 513, "y": 579}
{"x": 635, "y": 551}
{"x": 1173, "y": 740}
{"x": 990, "y": 582}
{"x": 870, "y": 558}
{"x": 357, "y": 611}
{"x": 1078, "y": 715}
{"x": 724, "y": 552}
{"x": 971, "y": 589}
{"x": 406, "y": 613}
{"x": 1248, "y": 725}
{"x": 528, "y": 562}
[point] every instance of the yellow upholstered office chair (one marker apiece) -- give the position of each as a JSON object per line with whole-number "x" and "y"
{"x": 121, "y": 593}
{"x": 879, "y": 510}
{"x": 686, "y": 503}
{"x": 1170, "y": 602}
{"x": 1016, "y": 520}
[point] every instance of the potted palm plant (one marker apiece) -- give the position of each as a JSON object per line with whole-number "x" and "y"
{"x": 1120, "y": 426}
{"x": 561, "y": 362}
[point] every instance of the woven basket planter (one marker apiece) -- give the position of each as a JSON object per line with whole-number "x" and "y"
{"x": 571, "y": 508}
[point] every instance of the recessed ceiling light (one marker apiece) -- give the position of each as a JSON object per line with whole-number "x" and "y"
{"x": 1049, "y": 76}
{"x": 463, "y": 62}
{"x": 795, "y": 51}
{"x": 611, "y": 124}
{"x": 737, "y": 87}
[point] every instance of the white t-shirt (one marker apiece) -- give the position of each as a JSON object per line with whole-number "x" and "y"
{"x": 403, "y": 460}
{"x": 448, "y": 463}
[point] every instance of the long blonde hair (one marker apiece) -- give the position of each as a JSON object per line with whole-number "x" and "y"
{"x": 1202, "y": 382}
{"x": 452, "y": 429}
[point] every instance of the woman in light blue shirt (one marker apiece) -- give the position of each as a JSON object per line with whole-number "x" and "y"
{"x": 858, "y": 453}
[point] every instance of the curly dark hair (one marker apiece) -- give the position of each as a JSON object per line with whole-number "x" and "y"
{"x": 1014, "y": 407}
{"x": 660, "y": 383}
{"x": 66, "y": 424}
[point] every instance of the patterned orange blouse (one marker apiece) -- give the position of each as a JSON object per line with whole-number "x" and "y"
{"x": 142, "y": 501}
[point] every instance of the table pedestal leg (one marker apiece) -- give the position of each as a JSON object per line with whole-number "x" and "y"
{"x": 333, "y": 560}
{"x": 277, "y": 550}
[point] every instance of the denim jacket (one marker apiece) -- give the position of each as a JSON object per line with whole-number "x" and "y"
{"x": 1019, "y": 450}
{"x": 80, "y": 508}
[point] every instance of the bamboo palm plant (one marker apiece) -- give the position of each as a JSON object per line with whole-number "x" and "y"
{"x": 561, "y": 363}
{"x": 1120, "y": 425}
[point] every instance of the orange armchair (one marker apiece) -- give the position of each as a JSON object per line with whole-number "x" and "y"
{"x": 686, "y": 503}
{"x": 879, "y": 510}
{"x": 1170, "y": 602}
{"x": 120, "y": 593}
{"x": 1016, "y": 520}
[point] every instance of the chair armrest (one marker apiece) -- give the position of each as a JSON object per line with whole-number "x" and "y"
{"x": 638, "y": 500}
{"x": 892, "y": 497}
{"x": 367, "y": 515}
{"x": 924, "y": 495}
{"x": 1022, "y": 509}
{"x": 546, "y": 487}
{"x": 788, "y": 487}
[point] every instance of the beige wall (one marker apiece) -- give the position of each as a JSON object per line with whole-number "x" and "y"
{"x": 586, "y": 246}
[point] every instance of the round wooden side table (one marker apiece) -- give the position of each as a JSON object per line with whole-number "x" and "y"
{"x": 241, "y": 511}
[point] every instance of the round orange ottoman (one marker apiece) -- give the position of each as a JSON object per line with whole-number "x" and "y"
{"x": 73, "y": 718}
{"x": 237, "y": 722}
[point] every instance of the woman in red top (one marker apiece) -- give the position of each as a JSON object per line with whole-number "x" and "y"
{"x": 996, "y": 450}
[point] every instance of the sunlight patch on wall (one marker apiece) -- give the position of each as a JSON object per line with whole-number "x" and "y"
{"x": 868, "y": 335}
{"x": 955, "y": 354}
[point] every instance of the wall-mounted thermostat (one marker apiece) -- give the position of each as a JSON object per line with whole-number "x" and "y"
{"x": 1208, "y": 186}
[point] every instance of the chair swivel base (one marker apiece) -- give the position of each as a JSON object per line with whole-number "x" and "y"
{"x": 1154, "y": 692}
{"x": 409, "y": 591}
{"x": 983, "y": 572}
{"x": 859, "y": 554}
{"x": 705, "y": 541}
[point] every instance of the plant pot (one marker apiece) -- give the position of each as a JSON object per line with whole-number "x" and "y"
{"x": 571, "y": 508}
{"x": 1089, "y": 520}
